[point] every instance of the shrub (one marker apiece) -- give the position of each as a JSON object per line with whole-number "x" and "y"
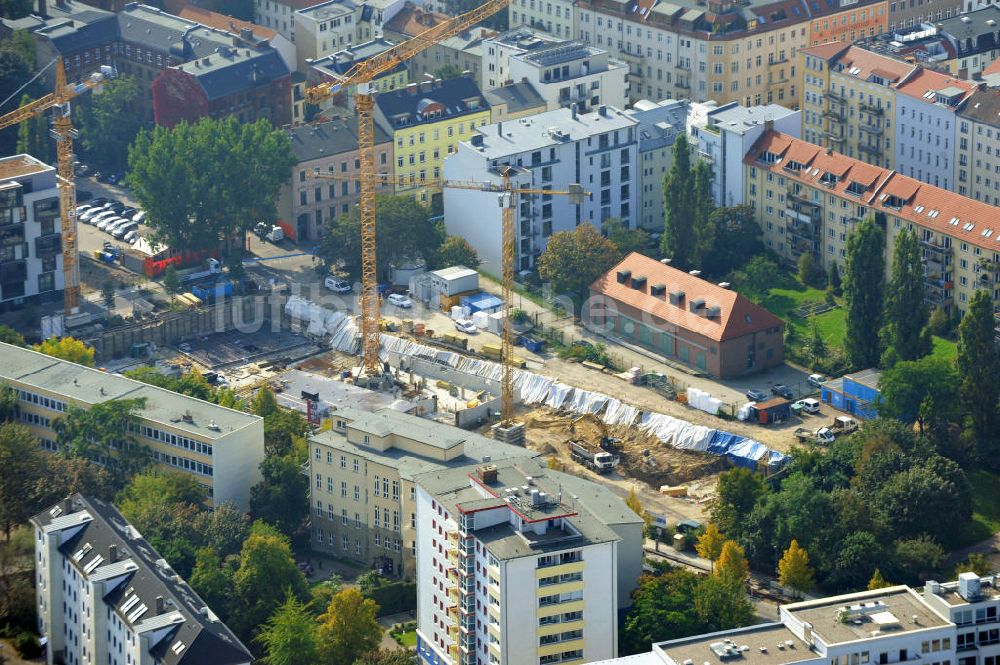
{"x": 394, "y": 597}
{"x": 27, "y": 645}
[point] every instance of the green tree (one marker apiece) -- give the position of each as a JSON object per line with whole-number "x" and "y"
{"x": 282, "y": 496}
{"x": 448, "y": 71}
{"x": 104, "y": 432}
{"x": 678, "y": 239}
{"x": 386, "y": 657}
{"x": 108, "y": 294}
{"x": 864, "y": 286}
{"x": 10, "y": 336}
{"x": 204, "y": 183}
{"x": 661, "y": 610}
{"x": 64, "y": 476}
{"x": 33, "y": 135}
{"x": 213, "y": 580}
{"x": 975, "y": 563}
{"x": 721, "y": 603}
{"x": 833, "y": 279}
{"x": 905, "y": 335}
{"x": 291, "y": 635}
{"x": 171, "y": 281}
{"x": 574, "y": 259}
{"x": 625, "y": 239}
{"x": 806, "y": 269}
{"x": 149, "y": 492}
{"x": 264, "y": 403}
{"x": 17, "y": 595}
{"x": 8, "y": 403}
{"x": 710, "y": 543}
{"x": 854, "y": 561}
{"x": 979, "y": 372}
{"x": 910, "y": 386}
{"x": 738, "y": 238}
{"x": 703, "y": 207}
{"x": 754, "y": 280}
{"x": 110, "y": 121}
{"x": 737, "y": 492}
{"x": 456, "y": 251}
{"x": 282, "y": 429}
{"x": 877, "y": 581}
{"x": 265, "y": 577}
{"x": 915, "y": 559}
{"x": 67, "y": 348}
{"x": 406, "y": 233}
{"x": 918, "y": 501}
{"x": 817, "y": 345}
{"x": 794, "y": 570}
{"x": 349, "y": 627}
{"x": 940, "y": 323}
{"x": 23, "y": 467}
{"x": 732, "y": 561}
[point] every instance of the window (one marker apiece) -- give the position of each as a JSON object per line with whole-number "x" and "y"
{"x": 357, "y": 493}
{"x": 395, "y": 489}
{"x": 356, "y": 466}
{"x": 343, "y": 489}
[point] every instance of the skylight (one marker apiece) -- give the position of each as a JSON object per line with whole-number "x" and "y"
{"x": 969, "y": 226}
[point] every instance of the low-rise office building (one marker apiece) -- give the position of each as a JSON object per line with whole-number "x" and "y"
{"x": 104, "y": 595}
{"x": 31, "y": 261}
{"x": 220, "y": 448}
{"x": 678, "y": 315}
{"x": 517, "y": 563}
{"x": 363, "y": 491}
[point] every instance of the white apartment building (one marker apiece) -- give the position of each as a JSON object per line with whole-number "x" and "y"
{"x": 952, "y": 623}
{"x": 329, "y": 23}
{"x": 556, "y": 17}
{"x": 363, "y": 492}
{"x": 977, "y": 165}
{"x": 104, "y": 595}
{"x": 563, "y": 72}
{"x": 730, "y": 131}
{"x": 220, "y": 448}
{"x": 521, "y": 565}
{"x": 551, "y": 150}
{"x": 927, "y": 104}
{"x": 31, "y": 267}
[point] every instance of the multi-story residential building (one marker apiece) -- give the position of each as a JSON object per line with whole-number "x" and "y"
{"x": 904, "y": 14}
{"x": 562, "y": 72}
{"x": 660, "y": 124}
{"x": 517, "y": 100}
{"x": 888, "y": 626}
{"x": 927, "y": 104}
{"x": 551, "y": 150}
{"x": 248, "y": 84}
{"x": 973, "y": 39}
{"x": 558, "y": 17}
{"x": 362, "y": 474}
{"x": 463, "y": 52}
{"x": 335, "y": 67}
{"x": 280, "y": 14}
{"x": 31, "y": 263}
{"x": 851, "y": 23}
{"x": 238, "y": 28}
{"x": 329, "y": 27}
{"x": 977, "y": 158}
{"x": 808, "y": 199}
{"x": 105, "y": 595}
{"x": 519, "y": 564}
{"x": 220, "y": 448}
{"x": 849, "y": 100}
{"x": 306, "y": 202}
{"x": 731, "y": 129}
{"x": 427, "y": 121}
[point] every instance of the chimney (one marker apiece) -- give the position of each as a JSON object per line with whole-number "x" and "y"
{"x": 411, "y": 88}
{"x": 43, "y": 9}
{"x": 246, "y": 34}
{"x": 572, "y": 108}
{"x": 500, "y": 129}
{"x": 112, "y": 553}
{"x": 769, "y": 125}
{"x": 159, "y": 605}
{"x": 602, "y": 110}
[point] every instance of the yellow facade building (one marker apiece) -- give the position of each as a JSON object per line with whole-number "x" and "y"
{"x": 427, "y": 121}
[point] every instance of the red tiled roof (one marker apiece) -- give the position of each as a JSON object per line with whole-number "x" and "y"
{"x": 927, "y": 80}
{"x": 924, "y": 205}
{"x": 827, "y": 51}
{"x": 220, "y": 21}
{"x": 412, "y": 20}
{"x": 867, "y": 63}
{"x": 993, "y": 67}
{"x": 738, "y": 316}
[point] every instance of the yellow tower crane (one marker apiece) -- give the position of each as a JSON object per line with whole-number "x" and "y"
{"x": 362, "y": 75}
{"x": 508, "y": 199}
{"x": 63, "y": 132}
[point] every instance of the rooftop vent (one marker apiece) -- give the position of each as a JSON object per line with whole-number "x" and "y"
{"x": 725, "y": 285}
{"x": 639, "y": 283}
{"x": 213, "y": 426}
{"x": 658, "y": 290}
{"x": 187, "y": 417}
{"x": 697, "y": 304}
{"x": 624, "y": 276}
{"x": 487, "y": 473}
{"x": 676, "y": 297}
{"x": 713, "y": 312}
{"x": 968, "y": 586}
{"x": 477, "y": 140}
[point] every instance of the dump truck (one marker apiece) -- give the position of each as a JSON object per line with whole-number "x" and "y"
{"x": 599, "y": 460}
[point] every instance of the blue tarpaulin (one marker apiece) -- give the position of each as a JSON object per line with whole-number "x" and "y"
{"x": 481, "y": 302}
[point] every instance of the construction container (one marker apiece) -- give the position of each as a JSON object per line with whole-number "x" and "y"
{"x": 455, "y": 280}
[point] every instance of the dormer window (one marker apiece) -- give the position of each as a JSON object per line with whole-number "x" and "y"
{"x": 793, "y": 166}
{"x": 768, "y": 157}
{"x": 828, "y": 179}
{"x": 892, "y": 201}
{"x": 856, "y": 188}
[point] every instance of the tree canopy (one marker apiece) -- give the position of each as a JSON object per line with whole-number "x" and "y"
{"x": 291, "y": 635}
{"x": 104, "y": 432}
{"x": 864, "y": 286}
{"x": 110, "y": 121}
{"x": 456, "y": 251}
{"x": 979, "y": 372}
{"x": 349, "y": 628}
{"x": 794, "y": 570}
{"x": 689, "y": 228}
{"x": 572, "y": 260}
{"x": 67, "y": 348}
{"x": 905, "y": 335}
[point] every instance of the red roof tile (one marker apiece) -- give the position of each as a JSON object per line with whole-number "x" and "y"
{"x": 826, "y": 51}
{"x": 926, "y": 80}
{"x": 221, "y": 21}
{"x": 861, "y": 64}
{"x": 412, "y": 20}
{"x": 738, "y": 316}
{"x": 924, "y": 205}
{"x": 993, "y": 68}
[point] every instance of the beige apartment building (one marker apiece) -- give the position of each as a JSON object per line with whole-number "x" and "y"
{"x": 362, "y": 470}
{"x": 220, "y": 448}
{"x": 808, "y": 199}
{"x": 977, "y": 165}
{"x": 848, "y": 100}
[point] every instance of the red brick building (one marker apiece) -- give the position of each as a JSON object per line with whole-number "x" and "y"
{"x": 685, "y": 318}
{"x": 246, "y": 83}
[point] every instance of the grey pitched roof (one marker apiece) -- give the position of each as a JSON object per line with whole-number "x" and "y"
{"x": 337, "y": 64}
{"x": 184, "y": 619}
{"x": 519, "y": 96}
{"x": 452, "y": 94}
{"x": 983, "y": 106}
{"x": 72, "y": 26}
{"x": 232, "y": 70}
{"x": 335, "y": 137}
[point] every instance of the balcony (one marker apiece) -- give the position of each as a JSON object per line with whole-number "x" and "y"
{"x": 777, "y": 61}
{"x": 934, "y": 247}
{"x": 870, "y": 149}
{"x": 835, "y": 116}
{"x": 938, "y": 291}
{"x": 48, "y": 245}
{"x": 798, "y": 216}
{"x": 683, "y": 85}
{"x": 870, "y": 108}
{"x": 800, "y": 199}
{"x": 835, "y": 138}
{"x": 683, "y": 66}
{"x": 875, "y": 130}
{"x": 834, "y": 97}
{"x": 800, "y": 231}
{"x": 778, "y": 81}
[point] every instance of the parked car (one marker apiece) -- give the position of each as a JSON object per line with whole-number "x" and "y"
{"x": 131, "y": 236}
{"x": 83, "y": 208}
{"x": 121, "y": 229}
{"x": 113, "y": 179}
{"x": 139, "y": 216}
{"x": 399, "y": 300}
{"x": 755, "y": 395}
{"x": 88, "y": 216}
{"x": 99, "y": 201}
{"x": 129, "y": 212}
{"x": 99, "y": 176}
{"x": 782, "y": 390}
{"x": 466, "y": 326}
{"x": 807, "y": 405}
{"x": 105, "y": 223}
{"x": 102, "y": 216}
{"x": 816, "y": 380}
{"x": 337, "y": 285}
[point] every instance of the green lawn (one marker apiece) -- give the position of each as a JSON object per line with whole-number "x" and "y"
{"x": 407, "y": 638}
{"x": 985, "y": 508}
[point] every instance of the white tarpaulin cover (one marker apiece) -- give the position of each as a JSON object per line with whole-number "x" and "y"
{"x": 619, "y": 414}
{"x": 558, "y": 395}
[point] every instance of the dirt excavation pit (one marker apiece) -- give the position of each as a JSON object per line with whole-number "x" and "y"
{"x": 643, "y": 457}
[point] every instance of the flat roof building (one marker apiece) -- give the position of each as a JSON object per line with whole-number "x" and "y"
{"x": 221, "y": 448}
